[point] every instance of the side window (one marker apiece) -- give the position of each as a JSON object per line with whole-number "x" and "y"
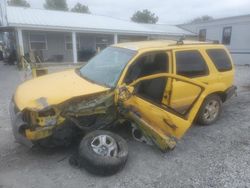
{"x": 146, "y": 65}
{"x": 220, "y": 59}
{"x": 190, "y": 64}
{"x": 226, "y": 35}
{"x": 38, "y": 41}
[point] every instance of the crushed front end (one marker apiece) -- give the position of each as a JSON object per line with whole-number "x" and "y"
{"x": 18, "y": 125}
{"x": 30, "y": 126}
{"x": 84, "y": 113}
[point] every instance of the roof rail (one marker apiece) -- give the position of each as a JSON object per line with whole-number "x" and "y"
{"x": 213, "y": 41}
{"x": 182, "y": 42}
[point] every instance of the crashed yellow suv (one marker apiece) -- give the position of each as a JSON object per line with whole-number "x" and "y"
{"x": 161, "y": 87}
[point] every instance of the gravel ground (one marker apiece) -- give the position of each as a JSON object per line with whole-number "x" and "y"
{"x": 213, "y": 156}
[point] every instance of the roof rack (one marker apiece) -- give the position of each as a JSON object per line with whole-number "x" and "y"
{"x": 182, "y": 42}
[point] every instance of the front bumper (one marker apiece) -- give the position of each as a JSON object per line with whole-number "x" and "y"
{"x": 18, "y": 126}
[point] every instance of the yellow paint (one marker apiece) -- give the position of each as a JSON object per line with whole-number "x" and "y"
{"x": 182, "y": 95}
{"x": 54, "y": 88}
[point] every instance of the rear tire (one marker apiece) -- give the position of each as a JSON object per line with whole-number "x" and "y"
{"x": 210, "y": 110}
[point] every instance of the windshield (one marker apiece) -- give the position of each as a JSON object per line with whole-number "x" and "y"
{"x": 106, "y": 67}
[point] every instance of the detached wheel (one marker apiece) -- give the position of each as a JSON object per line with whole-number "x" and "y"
{"x": 103, "y": 153}
{"x": 210, "y": 110}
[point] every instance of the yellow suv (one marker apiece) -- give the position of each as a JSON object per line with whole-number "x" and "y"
{"x": 161, "y": 87}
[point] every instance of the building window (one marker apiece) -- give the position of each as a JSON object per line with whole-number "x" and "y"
{"x": 202, "y": 35}
{"x": 190, "y": 64}
{"x": 102, "y": 42}
{"x": 226, "y": 35}
{"x": 37, "y": 41}
{"x": 68, "y": 42}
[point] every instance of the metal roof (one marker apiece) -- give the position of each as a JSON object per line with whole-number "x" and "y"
{"x": 62, "y": 20}
{"x": 226, "y": 20}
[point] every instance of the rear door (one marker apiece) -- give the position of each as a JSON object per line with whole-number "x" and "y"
{"x": 141, "y": 102}
{"x": 191, "y": 64}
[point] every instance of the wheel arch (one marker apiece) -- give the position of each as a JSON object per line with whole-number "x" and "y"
{"x": 221, "y": 94}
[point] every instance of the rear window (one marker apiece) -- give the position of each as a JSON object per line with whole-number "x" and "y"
{"x": 190, "y": 64}
{"x": 220, "y": 59}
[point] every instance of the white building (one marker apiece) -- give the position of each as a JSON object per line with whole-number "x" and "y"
{"x": 59, "y": 36}
{"x": 234, "y": 32}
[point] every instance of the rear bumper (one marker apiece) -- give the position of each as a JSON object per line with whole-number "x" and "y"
{"x": 230, "y": 92}
{"x": 18, "y": 126}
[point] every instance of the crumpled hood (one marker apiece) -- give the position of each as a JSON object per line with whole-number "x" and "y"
{"x": 53, "y": 89}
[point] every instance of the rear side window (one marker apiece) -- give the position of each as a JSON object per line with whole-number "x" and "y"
{"x": 190, "y": 64}
{"x": 220, "y": 59}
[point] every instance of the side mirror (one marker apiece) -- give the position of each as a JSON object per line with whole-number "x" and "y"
{"x": 124, "y": 93}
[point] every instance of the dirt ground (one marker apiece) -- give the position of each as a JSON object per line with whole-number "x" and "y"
{"x": 213, "y": 156}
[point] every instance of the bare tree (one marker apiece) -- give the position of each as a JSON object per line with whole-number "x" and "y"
{"x": 20, "y": 3}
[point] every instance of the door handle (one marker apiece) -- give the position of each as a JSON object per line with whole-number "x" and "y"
{"x": 171, "y": 125}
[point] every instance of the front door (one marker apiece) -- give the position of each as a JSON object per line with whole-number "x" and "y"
{"x": 141, "y": 102}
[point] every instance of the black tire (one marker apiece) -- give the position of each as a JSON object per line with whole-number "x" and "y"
{"x": 201, "y": 120}
{"x": 102, "y": 165}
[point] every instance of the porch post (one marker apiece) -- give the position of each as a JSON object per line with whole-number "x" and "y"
{"x": 115, "y": 38}
{"x": 74, "y": 46}
{"x": 20, "y": 47}
{"x": 20, "y": 42}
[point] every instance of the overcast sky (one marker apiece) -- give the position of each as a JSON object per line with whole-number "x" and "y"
{"x": 168, "y": 11}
